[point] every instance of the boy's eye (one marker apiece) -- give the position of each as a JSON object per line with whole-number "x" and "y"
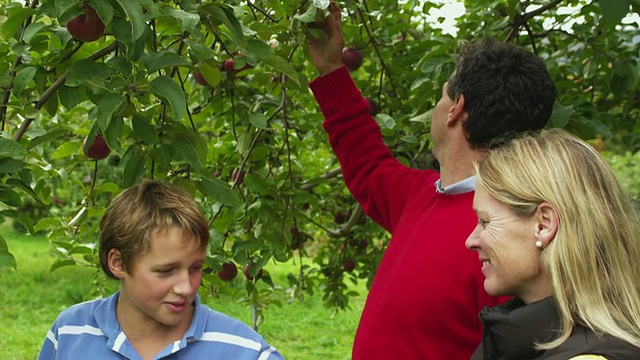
{"x": 164, "y": 271}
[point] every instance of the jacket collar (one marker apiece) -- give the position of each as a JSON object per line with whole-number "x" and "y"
{"x": 513, "y": 329}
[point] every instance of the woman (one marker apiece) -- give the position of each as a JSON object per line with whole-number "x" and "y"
{"x": 557, "y": 231}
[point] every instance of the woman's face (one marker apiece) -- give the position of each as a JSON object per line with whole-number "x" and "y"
{"x": 506, "y": 245}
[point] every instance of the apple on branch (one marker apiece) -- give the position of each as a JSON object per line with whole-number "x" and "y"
{"x": 97, "y": 150}
{"x": 352, "y": 58}
{"x": 228, "y": 272}
{"x": 86, "y": 27}
{"x": 199, "y": 78}
{"x": 246, "y": 270}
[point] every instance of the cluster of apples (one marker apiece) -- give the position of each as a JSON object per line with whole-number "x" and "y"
{"x": 229, "y": 272}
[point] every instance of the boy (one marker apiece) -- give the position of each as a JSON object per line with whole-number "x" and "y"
{"x": 153, "y": 240}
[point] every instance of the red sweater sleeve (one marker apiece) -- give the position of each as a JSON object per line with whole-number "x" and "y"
{"x": 375, "y": 178}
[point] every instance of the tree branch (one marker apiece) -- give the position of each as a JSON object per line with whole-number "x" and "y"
{"x": 54, "y": 87}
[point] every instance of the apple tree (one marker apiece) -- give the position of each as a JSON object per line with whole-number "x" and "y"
{"x": 213, "y": 96}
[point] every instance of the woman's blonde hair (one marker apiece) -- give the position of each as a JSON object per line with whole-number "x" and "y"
{"x": 594, "y": 259}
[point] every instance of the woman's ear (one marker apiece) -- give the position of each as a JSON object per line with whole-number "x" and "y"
{"x": 546, "y": 223}
{"x": 116, "y": 265}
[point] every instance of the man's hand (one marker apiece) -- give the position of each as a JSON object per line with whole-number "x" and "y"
{"x": 326, "y": 53}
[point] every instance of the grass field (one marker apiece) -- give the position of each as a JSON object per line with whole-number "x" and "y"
{"x": 32, "y": 297}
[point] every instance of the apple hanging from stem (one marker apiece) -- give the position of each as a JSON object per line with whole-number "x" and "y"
{"x": 86, "y": 27}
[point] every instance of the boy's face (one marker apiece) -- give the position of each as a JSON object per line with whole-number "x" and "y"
{"x": 159, "y": 292}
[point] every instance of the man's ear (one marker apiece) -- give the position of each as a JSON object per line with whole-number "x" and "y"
{"x": 546, "y": 223}
{"x": 457, "y": 111}
{"x": 116, "y": 265}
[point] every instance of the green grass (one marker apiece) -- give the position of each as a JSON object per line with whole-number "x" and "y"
{"x": 31, "y": 297}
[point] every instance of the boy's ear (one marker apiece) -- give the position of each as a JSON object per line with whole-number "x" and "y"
{"x": 116, "y": 265}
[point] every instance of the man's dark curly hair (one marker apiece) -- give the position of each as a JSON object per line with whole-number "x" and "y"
{"x": 507, "y": 90}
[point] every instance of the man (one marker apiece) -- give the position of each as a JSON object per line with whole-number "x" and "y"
{"x": 428, "y": 290}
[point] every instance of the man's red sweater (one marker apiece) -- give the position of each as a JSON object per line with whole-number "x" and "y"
{"x": 428, "y": 290}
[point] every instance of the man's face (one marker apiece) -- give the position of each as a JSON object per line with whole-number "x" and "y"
{"x": 439, "y": 119}
{"x": 163, "y": 283}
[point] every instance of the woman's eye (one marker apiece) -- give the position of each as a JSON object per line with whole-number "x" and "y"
{"x": 483, "y": 223}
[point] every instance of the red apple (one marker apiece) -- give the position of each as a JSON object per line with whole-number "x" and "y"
{"x": 294, "y": 231}
{"x": 200, "y": 79}
{"x": 86, "y": 27}
{"x": 229, "y": 67}
{"x": 97, "y": 150}
{"x": 245, "y": 271}
{"x": 228, "y": 272}
{"x": 237, "y": 176}
{"x": 351, "y": 58}
{"x": 352, "y": 242}
{"x": 348, "y": 265}
{"x": 340, "y": 217}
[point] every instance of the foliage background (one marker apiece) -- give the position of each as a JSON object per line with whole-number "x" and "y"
{"x": 135, "y": 86}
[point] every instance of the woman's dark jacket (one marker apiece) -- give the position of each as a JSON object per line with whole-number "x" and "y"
{"x": 512, "y": 329}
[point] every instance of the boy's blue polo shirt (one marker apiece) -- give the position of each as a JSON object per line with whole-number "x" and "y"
{"x": 90, "y": 330}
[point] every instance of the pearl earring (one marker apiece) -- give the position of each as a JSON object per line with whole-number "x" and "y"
{"x": 539, "y": 244}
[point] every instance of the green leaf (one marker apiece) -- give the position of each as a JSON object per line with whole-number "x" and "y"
{"x": 162, "y": 60}
{"x": 168, "y": 90}
{"x": 62, "y": 263}
{"x": 257, "y": 184}
{"x": 14, "y": 20}
{"x": 614, "y": 10}
{"x": 55, "y": 134}
{"x": 3, "y": 244}
{"x": 107, "y": 107}
{"x": 187, "y": 21}
{"x": 187, "y": 146}
{"x": 225, "y": 16}
{"x": 66, "y": 149}
{"x": 22, "y": 184}
{"x": 7, "y": 260}
{"x": 561, "y": 115}
{"x": 144, "y": 130}
{"x": 103, "y": 9}
{"x": 210, "y": 73}
{"x": 8, "y": 165}
{"x": 308, "y": 16}
{"x": 11, "y": 148}
{"x": 23, "y": 77}
{"x": 280, "y": 64}
{"x": 9, "y": 197}
{"x": 624, "y": 78}
{"x": 200, "y": 51}
{"x": 385, "y": 121}
{"x": 259, "y": 49}
{"x": 86, "y": 70}
{"x": 46, "y": 223}
{"x": 258, "y": 120}
{"x": 133, "y": 168}
{"x": 32, "y": 30}
{"x": 113, "y": 132}
{"x": 219, "y": 190}
{"x": 135, "y": 15}
{"x": 71, "y": 96}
